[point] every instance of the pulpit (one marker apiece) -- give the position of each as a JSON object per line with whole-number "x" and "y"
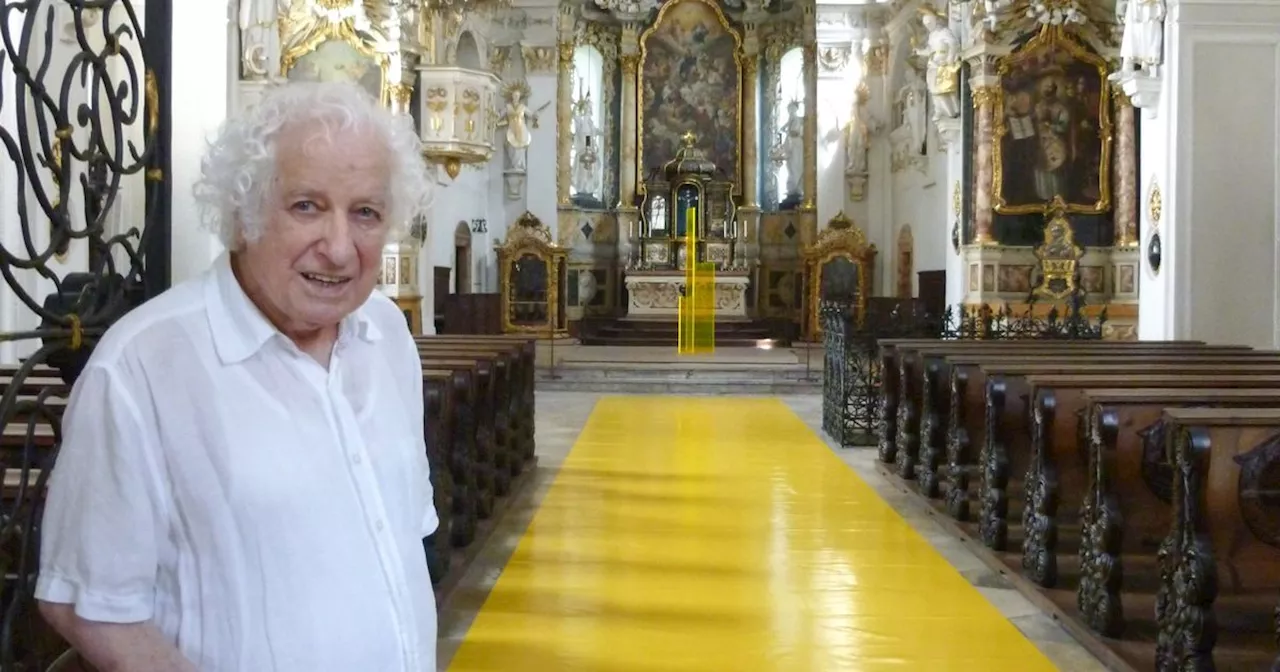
{"x": 532, "y": 282}
{"x": 687, "y": 208}
{"x": 839, "y": 267}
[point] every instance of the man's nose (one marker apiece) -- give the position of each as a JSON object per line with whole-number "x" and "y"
{"x": 337, "y": 245}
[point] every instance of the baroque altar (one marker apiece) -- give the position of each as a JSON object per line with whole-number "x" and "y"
{"x": 687, "y": 210}
{"x": 672, "y": 109}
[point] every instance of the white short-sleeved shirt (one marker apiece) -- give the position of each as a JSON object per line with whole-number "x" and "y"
{"x": 266, "y": 514}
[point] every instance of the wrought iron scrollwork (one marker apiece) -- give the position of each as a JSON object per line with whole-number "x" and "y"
{"x": 854, "y": 410}
{"x": 81, "y": 121}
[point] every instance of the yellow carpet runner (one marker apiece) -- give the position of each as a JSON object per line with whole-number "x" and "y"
{"x": 721, "y": 535}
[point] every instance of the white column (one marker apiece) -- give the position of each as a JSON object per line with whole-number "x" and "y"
{"x": 1212, "y": 148}
{"x": 949, "y": 132}
{"x": 199, "y": 106}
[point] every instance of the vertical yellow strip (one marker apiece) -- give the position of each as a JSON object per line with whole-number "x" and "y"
{"x": 686, "y": 342}
{"x": 704, "y": 309}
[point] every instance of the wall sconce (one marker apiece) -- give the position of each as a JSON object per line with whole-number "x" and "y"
{"x": 479, "y": 225}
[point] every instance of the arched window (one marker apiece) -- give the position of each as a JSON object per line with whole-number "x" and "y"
{"x": 790, "y": 87}
{"x": 588, "y": 76}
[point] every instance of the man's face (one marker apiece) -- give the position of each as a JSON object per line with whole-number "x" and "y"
{"x": 326, "y": 222}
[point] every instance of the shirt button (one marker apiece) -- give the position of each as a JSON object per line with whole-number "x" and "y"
{"x": 356, "y": 459}
{"x": 378, "y": 526}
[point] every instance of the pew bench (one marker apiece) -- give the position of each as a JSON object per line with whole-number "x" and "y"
{"x": 1219, "y": 565}
{"x": 1126, "y": 509}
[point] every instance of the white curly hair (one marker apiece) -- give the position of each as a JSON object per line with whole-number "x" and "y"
{"x": 238, "y": 171}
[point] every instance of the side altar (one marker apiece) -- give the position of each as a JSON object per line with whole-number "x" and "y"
{"x": 687, "y": 208}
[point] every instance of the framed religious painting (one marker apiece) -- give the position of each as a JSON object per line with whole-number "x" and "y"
{"x": 1052, "y": 128}
{"x": 690, "y": 82}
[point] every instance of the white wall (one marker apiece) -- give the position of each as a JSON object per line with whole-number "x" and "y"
{"x": 202, "y": 78}
{"x": 920, "y": 199}
{"x": 1222, "y": 201}
{"x": 833, "y": 107}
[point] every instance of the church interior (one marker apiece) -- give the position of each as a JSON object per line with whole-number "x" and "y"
{"x": 984, "y": 299}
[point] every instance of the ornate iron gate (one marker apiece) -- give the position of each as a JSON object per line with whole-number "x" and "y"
{"x": 84, "y": 119}
{"x": 852, "y": 376}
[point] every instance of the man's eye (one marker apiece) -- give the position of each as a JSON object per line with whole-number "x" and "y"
{"x": 305, "y": 206}
{"x": 368, "y": 213}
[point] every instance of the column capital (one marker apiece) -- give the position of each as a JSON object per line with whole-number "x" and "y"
{"x": 983, "y": 57}
{"x": 949, "y": 132}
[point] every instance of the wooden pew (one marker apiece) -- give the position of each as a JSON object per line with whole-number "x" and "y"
{"x": 1126, "y": 510}
{"x": 925, "y": 424}
{"x": 1057, "y": 476}
{"x": 918, "y": 368}
{"x": 1219, "y": 565}
{"x": 488, "y": 424}
{"x": 513, "y": 402}
{"x": 523, "y": 409}
{"x": 891, "y": 367}
{"x": 444, "y": 393}
{"x": 953, "y": 418}
{"x": 1005, "y": 455}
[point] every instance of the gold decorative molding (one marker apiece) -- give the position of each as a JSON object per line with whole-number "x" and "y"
{"x": 629, "y": 64}
{"x": 304, "y": 28}
{"x": 1058, "y": 254}
{"x": 984, "y": 96}
{"x": 841, "y": 239}
{"x": 542, "y": 60}
{"x": 1155, "y": 204}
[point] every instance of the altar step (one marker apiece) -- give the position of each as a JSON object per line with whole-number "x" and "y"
{"x": 729, "y": 333}
{"x": 683, "y": 378}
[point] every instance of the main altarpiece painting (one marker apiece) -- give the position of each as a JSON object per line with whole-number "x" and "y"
{"x": 696, "y": 152}
{"x": 690, "y": 81}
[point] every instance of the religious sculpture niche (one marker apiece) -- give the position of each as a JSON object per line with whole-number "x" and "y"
{"x": 1142, "y": 44}
{"x": 1052, "y": 128}
{"x": 587, "y": 161}
{"x": 519, "y": 120}
{"x": 912, "y": 109}
{"x": 687, "y": 201}
{"x": 838, "y": 267}
{"x": 1059, "y": 256}
{"x": 690, "y": 80}
{"x": 942, "y": 74}
{"x": 790, "y": 152}
{"x": 532, "y": 282}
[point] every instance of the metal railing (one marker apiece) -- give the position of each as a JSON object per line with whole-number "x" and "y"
{"x": 852, "y": 378}
{"x": 85, "y": 127}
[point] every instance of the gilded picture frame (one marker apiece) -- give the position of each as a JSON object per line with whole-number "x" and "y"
{"x": 529, "y": 236}
{"x": 842, "y": 239}
{"x": 643, "y": 98}
{"x": 1051, "y": 107}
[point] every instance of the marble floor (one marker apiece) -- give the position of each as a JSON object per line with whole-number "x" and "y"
{"x": 561, "y": 419}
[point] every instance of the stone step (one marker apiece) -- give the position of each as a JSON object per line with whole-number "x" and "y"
{"x": 653, "y": 386}
{"x": 703, "y": 374}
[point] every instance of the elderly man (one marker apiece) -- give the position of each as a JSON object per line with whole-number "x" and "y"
{"x": 243, "y": 483}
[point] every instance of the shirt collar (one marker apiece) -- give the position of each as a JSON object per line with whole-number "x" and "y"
{"x": 239, "y": 327}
